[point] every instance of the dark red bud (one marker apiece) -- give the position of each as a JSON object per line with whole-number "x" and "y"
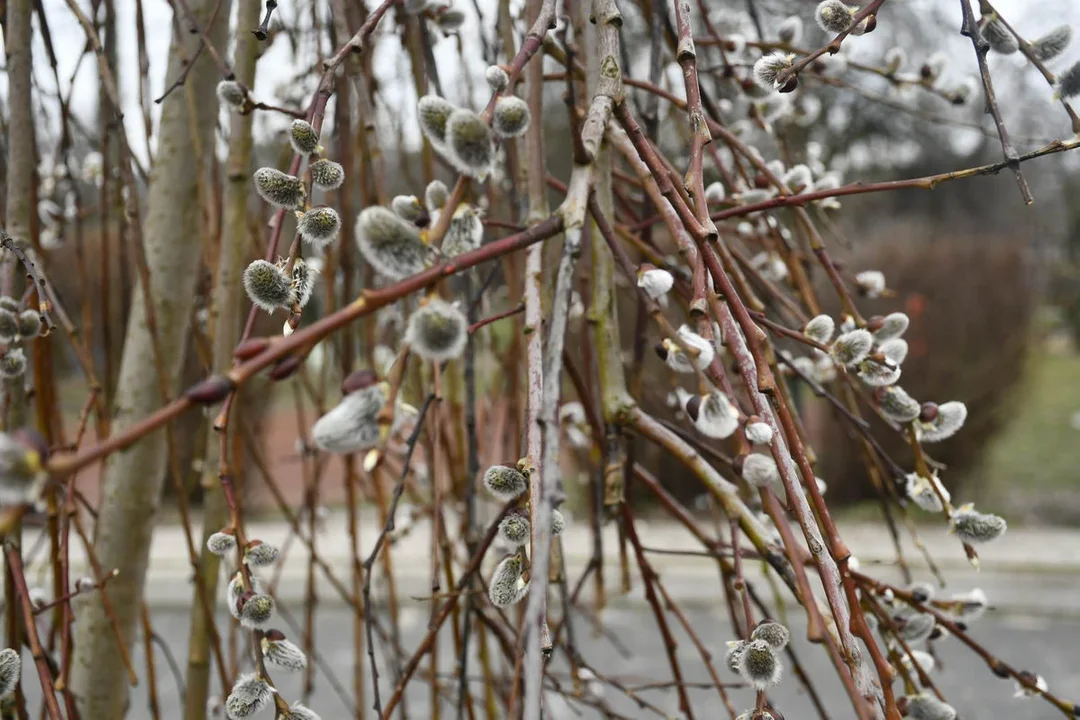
{"x": 286, "y": 366}
{"x": 929, "y": 412}
{"x": 358, "y": 381}
{"x": 875, "y": 323}
{"x": 212, "y": 390}
{"x": 242, "y": 600}
{"x": 274, "y": 635}
{"x": 748, "y": 85}
{"x": 737, "y": 464}
{"x": 761, "y": 182}
{"x": 693, "y": 407}
{"x": 250, "y": 348}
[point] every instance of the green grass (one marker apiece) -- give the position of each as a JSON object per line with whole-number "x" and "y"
{"x": 1032, "y": 469}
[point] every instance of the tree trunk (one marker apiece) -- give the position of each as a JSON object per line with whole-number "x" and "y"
{"x": 133, "y": 478}
{"x": 226, "y": 316}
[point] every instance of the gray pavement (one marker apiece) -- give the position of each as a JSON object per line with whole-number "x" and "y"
{"x": 1032, "y": 580}
{"x": 1047, "y": 646}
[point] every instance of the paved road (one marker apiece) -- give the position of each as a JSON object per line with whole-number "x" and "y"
{"x": 1048, "y": 646}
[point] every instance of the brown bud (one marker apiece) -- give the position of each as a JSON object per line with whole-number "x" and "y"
{"x": 286, "y": 367}
{"x": 212, "y": 390}
{"x": 661, "y": 351}
{"x": 753, "y": 419}
{"x": 999, "y": 669}
{"x": 879, "y": 394}
{"x": 761, "y": 181}
{"x": 646, "y": 267}
{"x": 250, "y": 348}
{"x": 274, "y": 635}
{"x": 693, "y": 407}
{"x": 242, "y": 600}
{"x": 875, "y": 323}
{"x": 926, "y": 72}
{"x": 871, "y": 24}
{"x": 358, "y": 380}
{"x": 737, "y": 464}
{"x": 929, "y": 412}
{"x": 790, "y": 86}
{"x": 902, "y": 705}
{"x": 748, "y": 85}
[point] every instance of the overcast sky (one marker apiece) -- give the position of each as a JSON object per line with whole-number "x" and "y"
{"x": 1030, "y": 16}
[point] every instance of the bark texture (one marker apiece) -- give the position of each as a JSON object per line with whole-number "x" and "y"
{"x": 133, "y": 478}
{"x": 226, "y": 320}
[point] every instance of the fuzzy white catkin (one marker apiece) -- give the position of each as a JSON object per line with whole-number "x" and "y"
{"x": 759, "y": 433}
{"x": 898, "y": 406}
{"x": 834, "y": 16}
{"x": 505, "y": 483}
{"x": 433, "y": 112}
{"x": 279, "y": 189}
{"x": 892, "y": 326}
{"x": 870, "y": 282}
{"x": 299, "y": 711}
{"x": 1069, "y": 81}
{"x": 389, "y": 244}
{"x": 327, "y": 174}
{"x": 231, "y": 93}
{"x": 511, "y": 117}
{"x": 285, "y": 654}
{"x": 319, "y": 226}
{"x": 921, "y": 491}
{"x": 1053, "y": 43}
{"x": 767, "y": 69}
{"x": 221, "y": 543}
{"x": 352, "y": 426}
{"x": 496, "y": 77}
{"x": 507, "y": 586}
{"x": 775, "y": 634}
{"x": 759, "y": 665}
{"x": 266, "y": 285}
{"x": 249, "y": 696}
{"x": 514, "y": 529}
{"x": 927, "y": 707}
{"x": 261, "y": 554}
{"x": 10, "y": 670}
{"x": 760, "y": 470}
{"x": 257, "y": 611}
{"x": 303, "y": 137}
{"x": 876, "y": 373}
{"x": 852, "y": 347}
{"x": 790, "y": 30}
{"x": 655, "y": 282}
{"x": 951, "y": 417}
{"x": 438, "y": 331}
{"x": 975, "y": 528}
{"x": 896, "y": 350}
{"x": 820, "y": 329}
{"x": 469, "y": 146}
{"x": 465, "y": 233}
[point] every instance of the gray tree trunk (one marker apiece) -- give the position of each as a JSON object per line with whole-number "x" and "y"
{"x": 133, "y": 478}
{"x": 226, "y": 317}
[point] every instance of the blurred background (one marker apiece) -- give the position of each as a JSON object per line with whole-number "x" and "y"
{"x": 992, "y": 287}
